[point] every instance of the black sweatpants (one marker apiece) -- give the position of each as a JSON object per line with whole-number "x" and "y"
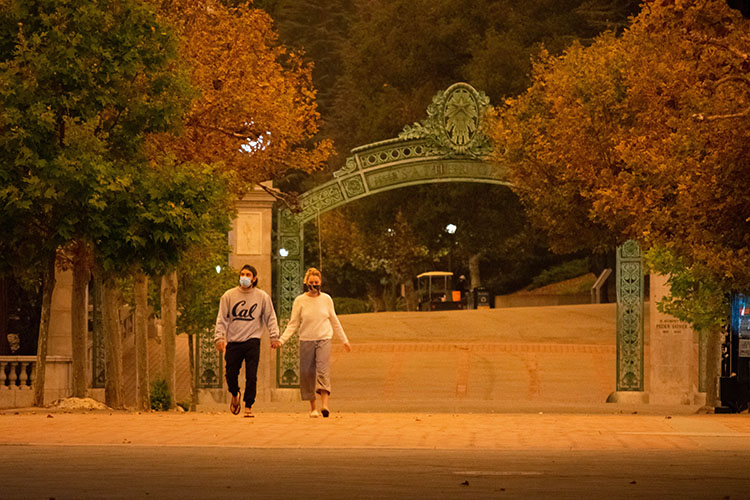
{"x": 237, "y": 352}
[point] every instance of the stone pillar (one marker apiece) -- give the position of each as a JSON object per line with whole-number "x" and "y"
{"x": 60, "y": 336}
{"x": 673, "y": 354}
{"x": 250, "y": 243}
{"x": 58, "y": 376}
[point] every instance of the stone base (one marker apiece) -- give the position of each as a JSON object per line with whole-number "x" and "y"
{"x": 211, "y": 396}
{"x": 688, "y": 399}
{"x": 628, "y": 397}
{"x": 95, "y": 394}
{"x": 285, "y": 395}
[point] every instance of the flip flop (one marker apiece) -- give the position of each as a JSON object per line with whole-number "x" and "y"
{"x": 235, "y": 407}
{"x": 249, "y": 414}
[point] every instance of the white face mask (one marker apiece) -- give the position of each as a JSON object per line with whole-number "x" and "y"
{"x": 246, "y": 281}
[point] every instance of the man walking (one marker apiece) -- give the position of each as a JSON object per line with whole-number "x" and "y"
{"x": 243, "y": 313}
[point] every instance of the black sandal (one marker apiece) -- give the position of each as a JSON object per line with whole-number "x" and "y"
{"x": 235, "y": 407}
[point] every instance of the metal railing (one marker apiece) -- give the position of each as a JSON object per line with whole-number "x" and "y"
{"x": 596, "y": 288}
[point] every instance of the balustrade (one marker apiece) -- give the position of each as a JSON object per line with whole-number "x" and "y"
{"x": 17, "y": 372}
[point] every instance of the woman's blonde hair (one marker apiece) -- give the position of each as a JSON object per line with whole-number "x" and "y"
{"x": 312, "y": 272}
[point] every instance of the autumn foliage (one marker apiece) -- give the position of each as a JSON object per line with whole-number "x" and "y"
{"x": 255, "y": 113}
{"x": 642, "y": 136}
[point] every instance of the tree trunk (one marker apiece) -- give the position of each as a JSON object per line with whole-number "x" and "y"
{"x": 474, "y": 275}
{"x": 142, "y": 395}
{"x": 410, "y": 296}
{"x": 48, "y": 286}
{"x": 4, "y": 316}
{"x": 713, "y": 367}
{"x": 390, "y": 297}
{"x": 97, "y": 320}
{"x": 193, "y": 374}
{"x": 112, "y": 346}
{"x": 79, "y": 317}
{"x": 375, "y": 295}
{"x": 169, "y": 330}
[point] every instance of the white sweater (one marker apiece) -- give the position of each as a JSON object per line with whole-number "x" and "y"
{"x": 314, "y": 318}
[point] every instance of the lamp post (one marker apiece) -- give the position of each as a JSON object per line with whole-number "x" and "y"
{"x": 451, "y": 230}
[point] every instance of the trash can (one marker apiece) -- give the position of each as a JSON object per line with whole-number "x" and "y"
{"x": 480, "y": 298}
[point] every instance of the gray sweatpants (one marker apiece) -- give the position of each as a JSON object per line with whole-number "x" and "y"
{"x": 314, "y": 368}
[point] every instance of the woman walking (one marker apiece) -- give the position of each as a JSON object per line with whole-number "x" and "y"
{"x": 314, "y": 317}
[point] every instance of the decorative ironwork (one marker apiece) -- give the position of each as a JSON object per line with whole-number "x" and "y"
{"x": 454, "y": 123}
{"x": 448, "y": 146}
{"x": 629, "y": 317}
{"x": 210, "y": 362}
{"x": 287, "y": 361}
{"x": 434, "y": 171}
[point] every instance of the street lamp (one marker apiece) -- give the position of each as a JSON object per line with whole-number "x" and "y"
{"x": 451, "y": 229}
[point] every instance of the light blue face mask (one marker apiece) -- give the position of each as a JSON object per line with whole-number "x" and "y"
{"x": 246, "y": 281}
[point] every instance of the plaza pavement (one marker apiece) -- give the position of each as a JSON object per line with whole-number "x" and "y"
{"x": 506, "y": 379}
{"x": 510, "y": 402}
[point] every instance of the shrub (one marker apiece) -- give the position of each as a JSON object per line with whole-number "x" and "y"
{"x": 562, "y": 272}
{"x": 159, "y": 395}
{"x": 349, "y": 305}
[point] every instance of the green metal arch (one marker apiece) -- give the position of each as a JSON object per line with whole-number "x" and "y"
{"x": 448, "y": 146}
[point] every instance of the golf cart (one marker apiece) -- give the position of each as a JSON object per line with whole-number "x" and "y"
{"x": 436, "y": 293}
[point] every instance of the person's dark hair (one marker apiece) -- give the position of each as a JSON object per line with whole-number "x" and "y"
{"x": 252, "y": 270}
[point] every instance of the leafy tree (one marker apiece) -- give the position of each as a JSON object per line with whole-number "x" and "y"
{"x": 397, "y": 55}
{"x": 400, "y": 53}
{"x": 662, "y": 155}
{"x": 394, "y": 239}
{"x": 690, "y": 143}
{"x": 80, "y": 86}
{"x": 255, "y": 115}
{"x": 384, "y": 255}
{"x": 256, "y": 111}
{"x": 317, "y": 29}
{"x": 559, "y": 139}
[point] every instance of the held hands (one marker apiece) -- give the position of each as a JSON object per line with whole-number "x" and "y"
{"x": 275, "y": 344}
{"x": 221, "y": 345}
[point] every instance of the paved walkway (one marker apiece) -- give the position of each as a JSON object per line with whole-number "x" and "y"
{"x": 515, "y": 431}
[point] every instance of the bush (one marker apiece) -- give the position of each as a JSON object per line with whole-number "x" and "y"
{"x": 349, "y": 305}
{"x": 159, "y": 395}
{"x": 562, "y": 272}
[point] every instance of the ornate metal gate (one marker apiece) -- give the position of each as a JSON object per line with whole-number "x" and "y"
{"x": 448, "y": 146}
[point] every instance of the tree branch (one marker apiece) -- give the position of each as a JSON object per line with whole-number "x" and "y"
{"x": 711, "y": 118}
{"x": 742, "y": 55}
{"x": 244, "y": 134}
{"x": 733, "y": 78}
{"x": 291, "y": 201}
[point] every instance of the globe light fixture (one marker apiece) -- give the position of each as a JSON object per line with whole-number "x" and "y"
{"x": 450, "y": 228}
{"x": 283, "y": 252}
{"x": 218, "y": 269}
